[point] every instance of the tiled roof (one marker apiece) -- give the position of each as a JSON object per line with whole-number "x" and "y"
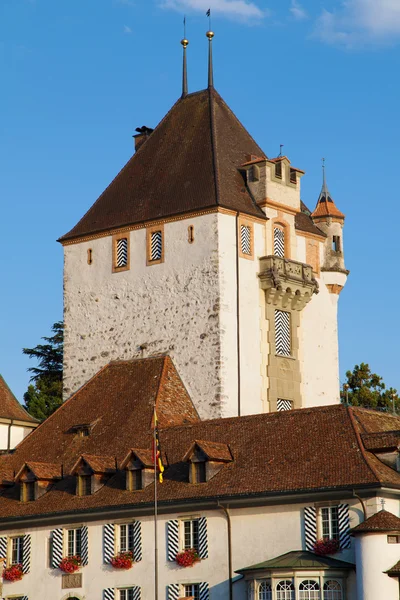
{"x": 381, "y": 521}
{"x": 41, "y": 470}
{"x": 98, "y": 464}
{"x": 389, "y": 440}
{"x": 299, "y": 559}
{"x": 395, "y": 570}
{"x": 213, "y": 451}
{"x": 144, "y": 455}
{"x": 10, "y": 408}
{"x": 303, "y": 222}
{"x": 190, "y": 162}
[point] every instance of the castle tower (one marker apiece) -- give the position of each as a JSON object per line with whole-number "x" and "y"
{"x": 201, "y": 248}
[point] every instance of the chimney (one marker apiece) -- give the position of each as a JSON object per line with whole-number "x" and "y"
{"x": 141, "y": 136}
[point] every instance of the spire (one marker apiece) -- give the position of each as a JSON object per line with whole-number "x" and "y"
{"x": 326, "y": 205}
{"x": 324, "y": 190}
{"x": 210, "y": 36}
{"x": 185, "y": 44}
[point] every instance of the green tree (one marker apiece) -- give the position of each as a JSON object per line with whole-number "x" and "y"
{"x": 44, "y": 394}
{"x": 367, "y": 389}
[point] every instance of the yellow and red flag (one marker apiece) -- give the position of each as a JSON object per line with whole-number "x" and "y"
{"x": 157, "y": 450}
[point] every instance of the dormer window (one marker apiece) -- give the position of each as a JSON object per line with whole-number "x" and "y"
{"x": 84, "y": 485}
{"x": 82, "y": 430}
{"x": 199, "y": 472}
{"x": 278, "y": 169}
{"x": 134, "y": 480}
{"x": 36, "y": 478}
{"x": 28, "y": 491}
{"x": 206, "y": 459}
{"x": 293, "y": 176}
{"x": 92, "y": 472}
{"x": 139, "y": 468}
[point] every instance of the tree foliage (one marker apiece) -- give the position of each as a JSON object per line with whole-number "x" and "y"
{"x": 44, "y": 394}
{"x": 367, "y": 389}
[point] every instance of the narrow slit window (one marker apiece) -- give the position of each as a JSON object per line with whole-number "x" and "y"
{"x": 190, "y": 234}
{"x": 156, "y": 245}
{"x": 245, "y": 239}
{"x": 283, "y": 341}
{"x": 336, "y": 243}
{"x": 279, "y": 242}
{"x": 89, "y": 256}
{"x": 122, "y": 253}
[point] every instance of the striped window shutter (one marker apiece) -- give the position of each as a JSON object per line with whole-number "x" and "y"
{"x": 172, "y": 539}
{"x": 245, "y": 239}
{"x": 137, "y": 541}
{"x": 136, "y": 592}
{"x": 26, "y": 554}
{"x": 3, "y": 547}
{"x": 56, "y": 547}
{"x": 173, "y": 591}
{"x": 203, "y": 542}
{"x": 310, "y": 527}
{"x": 109, "y": 594}
{"x": 84, "y": 546}
{"x": 24, "y": 598}
{"x": 279, "y": 242}
{"x": 203, "y": 591}
{"x": 156, "y": 245}
{"x": 283, "y": 340}
{"x": 108, "y": 542}
{"x": 284, "y": 404}
{"x": 344, "y": 525}
{"x": 122, "y": 252}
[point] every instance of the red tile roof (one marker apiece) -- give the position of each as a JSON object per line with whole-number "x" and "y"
{"x": 190, "y": 162}
{"x": 381, "y": 521}
{"x": 395, "y": 570}
{"x": 10, "y": 408}
{"x": 303, "y": 222}
{"x": 42, "y": 471}
{"x": 98, "y": 464}
{"x": 389, "y": 440}
{"x": 144, "y": 455}
{"x": 213, "y": 451}
{"x": 296, "y": 451}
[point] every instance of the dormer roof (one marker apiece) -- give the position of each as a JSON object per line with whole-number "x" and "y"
{"x": 189, "y": 163}
{"x": 145, "y": 456}
{"x": 98, "y": 464}
{"x": 10, "y": 408}
{"x": 41, "y": 471}
{"x": 214, "y": 451}
{"x": 382, "y": 441}
{"x": 381, "y": 522}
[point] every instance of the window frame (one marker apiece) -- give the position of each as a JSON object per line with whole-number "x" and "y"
{"x": 28, "y": 491}
{"x": 85, "y": 485}
{"x": 75, "y": 542}
{"x": 149, "y": 232}
{"x": 335, "y": 595}
{"x": 195, "y": 595}
{"x": 192, "y": 534}
{"x": 125, "y": 592}
{"x": 308, "y": 592}
{"x": 129, "y": 537}
{"x": 10, "y": 550}
{"x": 115, "y": 238}
{"x": 243, "y": 222}
{"x": 332, "y": 535}
{"x": 135, "y": 476}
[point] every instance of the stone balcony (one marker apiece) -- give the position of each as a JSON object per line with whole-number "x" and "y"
{"x": 288, "y": 284}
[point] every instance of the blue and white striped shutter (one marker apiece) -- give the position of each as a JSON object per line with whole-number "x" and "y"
{"x": 3, "y": 547}
{"x": 172, "y": 539}
{"x": 84, "y": 546}
{"x": 344, "y": 525}
{"x": 279, "y": 242}
{"x": 108, "y": 542}
{"x": 109, "y": 594}
{"x": 203, "y": 591}
{"x": 173, "y": 591}
{"x": 26, "y": 554}
{"x": 283, "y": 341}
{"x": 137, "y": 541}
{"x": 156, "y": 245}
{"x": 245, "y": 239}
{"x": 136, "y": 592}
{"x": 203, "y": 542}
{"x": 122, "y": 252}
{"x": 56, "y": 547}
{"x": 310, "y": 527}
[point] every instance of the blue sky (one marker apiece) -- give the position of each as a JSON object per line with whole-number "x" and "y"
{"x": 320, "y": 77}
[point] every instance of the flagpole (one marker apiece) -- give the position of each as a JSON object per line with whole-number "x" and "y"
{"x": 155, "y": 511}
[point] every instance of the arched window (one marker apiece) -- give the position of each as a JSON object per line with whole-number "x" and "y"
{"x": 285, "y": 590}
{"x": 279, "y": 241}
{"x": 332, "y": 590}
{"x": 309, "y": 590}
{"x": 265, "y": 591}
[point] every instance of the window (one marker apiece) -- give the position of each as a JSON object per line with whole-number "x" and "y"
{"x": 155, "y": 245}
{"x": 393, "y": 539}
{"x": 135, "y": 480}
{"x": 126, "y": 594}
{"x": 17, "y": 544}
{"x": 279, "y": 242}
{"x": 245, "y": 239}
{"x": 332, "y": 590}
{"x": 126, "y": 538}
{"x": 336, "y": 243}
{"x": 89, "y": 256}
{"x": 265, "y": 591}
{"x": 74, "y": 542}
{"x": 120, "y": 253}
{"x": 253, "y": 174}
{"x": 84, "y": 485}
{"x": 190, "y": 234}
{"x": 283, "y": 342}
{"x": 293, "y": 176}
{"x": 330, "y": 522}
{"x": 28, "y": 491}
{"x": 199, "y": 472}
{"x": 191, "y": 534}
{"x": 192, "y": 590}
{"x": 284, "y": 404}
{"x": 278, "y": 169}
{"x": 309, "y": 590}
{"x": 285, "y": 590}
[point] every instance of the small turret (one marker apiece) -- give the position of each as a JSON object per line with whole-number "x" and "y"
{"x": 331, "y": 220}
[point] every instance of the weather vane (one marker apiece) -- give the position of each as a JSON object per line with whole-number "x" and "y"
{"x": 208, "y": 13}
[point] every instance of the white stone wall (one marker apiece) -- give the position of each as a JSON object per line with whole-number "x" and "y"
{"x": 258, "y": 534}
{"x": 17, "y": 434}
{"x": 374, "y": 556}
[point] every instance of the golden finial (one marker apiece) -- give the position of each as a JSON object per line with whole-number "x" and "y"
{"x": 210, "y": 35}
{"x": 185, "y": 43}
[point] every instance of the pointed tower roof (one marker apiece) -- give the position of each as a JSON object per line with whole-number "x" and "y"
{"x": 189, "y": 163}
{"x": 326, "y": 206}
{"x": 380, "y": 522}
{"x": 10, "y": 408}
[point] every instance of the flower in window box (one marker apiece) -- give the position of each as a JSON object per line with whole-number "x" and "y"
{"x": 13, "y": 573}
{"x": 187, "y": 558}
{"x": 326, "y": 546}
{"x": 123, "y": 560}
{"x": 71, "y": 564}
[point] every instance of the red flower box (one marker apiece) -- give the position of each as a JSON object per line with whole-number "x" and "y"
{"x": 13, "y": 573}
{"x": 326, "y": 546}
{"x": 123, "y": 560}
{"x": 187, "y": 558}
{"x": 71, "y": 564}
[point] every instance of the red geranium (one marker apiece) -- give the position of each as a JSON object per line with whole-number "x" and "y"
{"x": 13, "y": 573}
{"x": 187, "y": 558}
{"x": 123, "y": 560}
{"x": 70, "y": 564}
{"x": 326, "y": 546}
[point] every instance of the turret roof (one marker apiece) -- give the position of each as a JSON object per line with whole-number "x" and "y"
{"x": 381, "y": 521}
{"x": 326, "y": 205}
{"x": 10, "y": 408}
{"x": 190, "y": 162}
